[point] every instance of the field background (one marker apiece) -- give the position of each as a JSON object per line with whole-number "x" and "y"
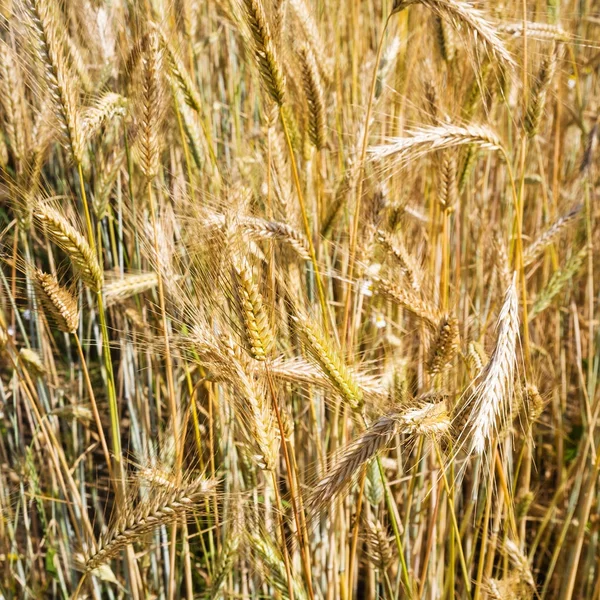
{"x": 299, "y": 299}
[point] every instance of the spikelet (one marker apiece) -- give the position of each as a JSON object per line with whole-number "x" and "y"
{"x": 49, "y": 48}
{"x": 428, "y": 139}
{"x": 58, "y": 302}
{"x": 533, "y": 401}
{"x": 444, "y": 347}
{"x": 533, "y": 251}
{"x": 538, "y": 31}
{"x": 105, "y": 182}
{"x": 539, "y": 91}
{"x": 314, "y": 98}
{"x": 163, "y": 506}
{"x": 66, "y": 237}
{"x": 557, "y": 282}
{"x": 476, "y": 359}
{"x": 118, "y": 288}
{"x": 492, "y": 397}
{"x": 465, "y": 15}
{"x": 520, "y": 562}
{"x": 374, "y": 491}
{"x": 501, "y": 262}
{"x": 331, "y": 364}
{"x": 150, "y": 107}
{"x": 258, "y": 336}
{"x": 448, "y": 189}
{"x": 264, "y": 50}
{"x": 445, "y": 39}
{"x": 180, "y": 76}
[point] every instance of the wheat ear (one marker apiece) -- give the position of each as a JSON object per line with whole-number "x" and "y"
{"x": 533, "y": 251}
{"x": 491, "y": 399}
{"x": 264, "y": 50}
{"x": 49, "y": 49}
{"x": 66, "y": 237}
{"x": 163, "y": 505}
{"x": 58, "y": 302}
{"x": 428, "y": 139}
{"x": 257, "y": 330}
{"x": 557, "y": 282}
{"x": 464, "y": 14}
{"x": 314, "y": 98}
{"x": 331, "y": 364}
{"x": 539, "y": 91}
{"x": 120, "y": 288}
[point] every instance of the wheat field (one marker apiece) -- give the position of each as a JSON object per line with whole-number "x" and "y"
{"x": 299, "y": 299}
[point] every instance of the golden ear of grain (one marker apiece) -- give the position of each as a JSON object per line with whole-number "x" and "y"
{"x": 162, "y": 506}
{"x": 330, "y": 363}
{"x": 49, "y": 48}
{"x": 397, "y": 250}
{"x": 542, "y": 241}
{"x": 557, "y": 282}
{"x": 264, "y": 50}
{"x": 58, "y": 302}
{"x": 257, "y": 329}
{"x": 33, "y": 361}
{"x": 150, "y": 109}
{"x": 491, "y": 399}
{"x": 444, "y": 346}
{"x": 465, "y": 15}
{"x": 378, "y": 543}
{"x": 539, "y": 91}
{"x": 314, "y": 98}
{"x": 102, "y": 111}
{"x": 409, "y": 301}
{"x": 11, "y": 93}
{"x": 66, "y": 237}
{"x": 118, "y": 289}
